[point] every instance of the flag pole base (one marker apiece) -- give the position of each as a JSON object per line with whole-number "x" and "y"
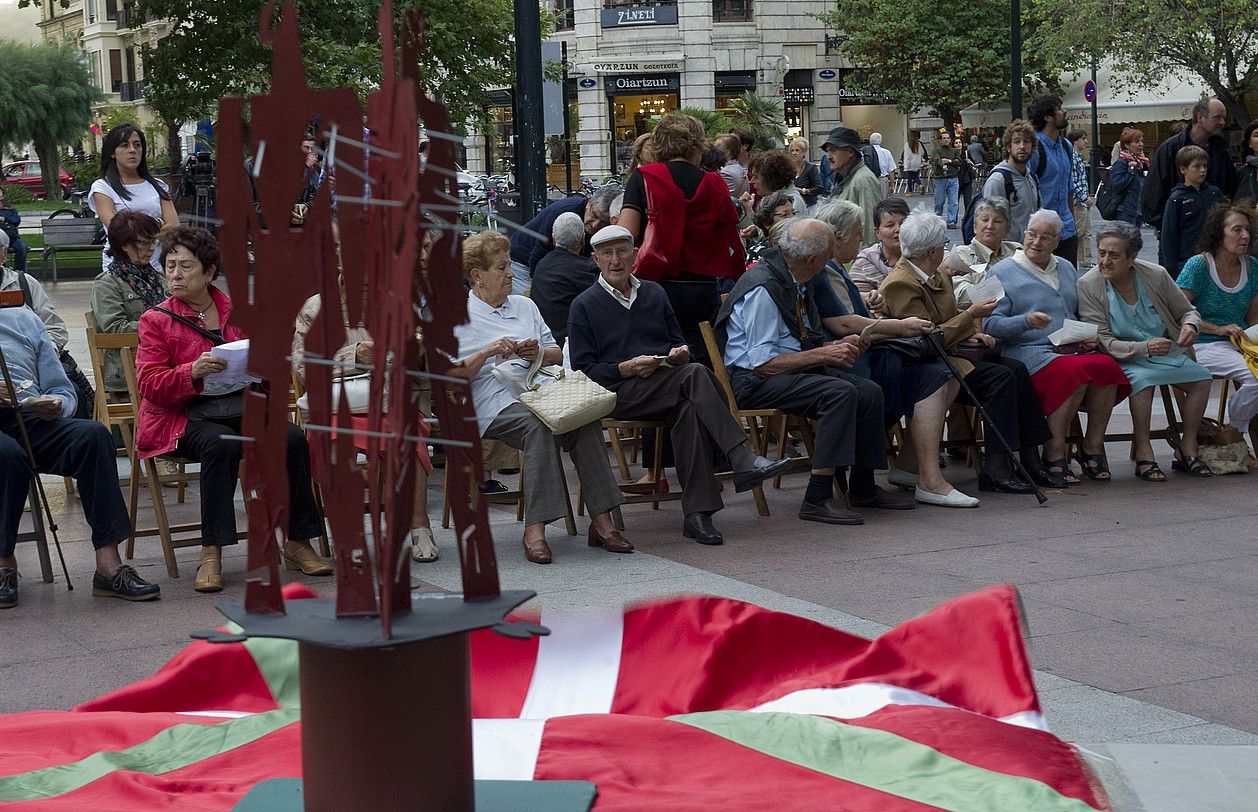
{"x": 386, "y": 721}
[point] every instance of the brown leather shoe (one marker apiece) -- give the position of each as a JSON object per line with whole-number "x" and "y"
{"x": 614, "y": 543}
{"x": 537, "y": 551}
{"x": 301, "y": 556}
{"x": 210, "y": 570}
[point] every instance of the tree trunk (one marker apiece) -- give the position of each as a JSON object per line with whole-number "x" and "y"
{"x": 949, "y": 117}
{"x": 174, "y": 146}
{"x": 1236, "y": 109}
{"x": 50, "y": 168}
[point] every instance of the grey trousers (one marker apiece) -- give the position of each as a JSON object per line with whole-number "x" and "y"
{"x": 846, "y": 408}
{"x": 688, "y": 397}
{"x": 544, "y": 497}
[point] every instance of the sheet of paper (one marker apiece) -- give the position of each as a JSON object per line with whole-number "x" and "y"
{"x": 979, "y": 268}
{"x": 1072, "y": 331}
{"x": 1252, "y": 333}
{"x": 236, "y": 376}
{"x": 989, "y": 288}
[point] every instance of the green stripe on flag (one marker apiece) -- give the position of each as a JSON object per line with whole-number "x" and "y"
{"x": 882, "y": 761}
{"x": 171, "y": 749}
{"x": 277, "y": 661}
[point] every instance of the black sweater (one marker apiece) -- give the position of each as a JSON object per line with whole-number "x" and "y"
{"x": 602, "y": 332}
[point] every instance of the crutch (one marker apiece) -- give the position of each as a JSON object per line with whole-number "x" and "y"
{"x": 936, "y": 341}
{"x": 30, "y": 456}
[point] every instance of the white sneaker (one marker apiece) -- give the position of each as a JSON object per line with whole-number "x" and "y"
{"x": 902, "y": 478}
{"x": 953, "y": 499}
{"x": 423, "y": 545}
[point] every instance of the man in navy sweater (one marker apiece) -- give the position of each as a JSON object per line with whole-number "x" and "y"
{"x": 623, "y": 334}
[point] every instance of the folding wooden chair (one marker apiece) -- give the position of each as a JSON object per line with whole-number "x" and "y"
{"x": 758, "y": 422}
{"x": 495, "y": 455}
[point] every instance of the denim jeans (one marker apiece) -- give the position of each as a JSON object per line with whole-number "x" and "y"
{"x": 521, "y": 278}
{"x": 947, "y": 188}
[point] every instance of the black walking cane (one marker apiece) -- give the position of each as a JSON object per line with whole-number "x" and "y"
{"x": 30, "y": 456}
{"x": 936, "y": 341}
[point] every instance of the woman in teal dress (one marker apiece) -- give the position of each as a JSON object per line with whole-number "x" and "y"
{"x": 1148, "y": 326}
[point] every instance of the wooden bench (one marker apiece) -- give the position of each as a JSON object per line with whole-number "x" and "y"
{"x": 67, "y": 234}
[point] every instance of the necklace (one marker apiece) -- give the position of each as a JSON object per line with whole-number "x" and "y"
{"x": 202, "y": 311}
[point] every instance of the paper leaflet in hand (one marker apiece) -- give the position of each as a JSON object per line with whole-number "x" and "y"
{"x": 1252, "y": 333}
{"x": 1072, "y": 332}
{"x": 236, "y": 376}
{"x": 989, "y": 288}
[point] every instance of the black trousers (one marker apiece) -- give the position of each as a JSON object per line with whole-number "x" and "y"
{"x": 220, "y": 467}
{"x": 689, "y": 398}
{"x": 1069, "y": 250}
{"x": 1004, "y": 387}
{"x": 846, "y": 408}
{"x": 693, "y": 301}
{"x": 83, "y": 449}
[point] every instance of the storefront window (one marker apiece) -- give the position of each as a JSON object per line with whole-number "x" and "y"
{"x": 636, "y": 103}
{"x": 499, "y": 153}
{"x": 729, "y": 86}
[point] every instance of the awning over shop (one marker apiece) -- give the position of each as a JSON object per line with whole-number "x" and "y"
{"x": 1169, "y": 100}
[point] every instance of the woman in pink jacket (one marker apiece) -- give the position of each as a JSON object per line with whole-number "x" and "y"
{"x": 184, "y": 414}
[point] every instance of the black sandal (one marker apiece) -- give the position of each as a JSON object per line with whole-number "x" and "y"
{"x": 1149, "y": 471}
{"x": 1095, "y": 467}
{"x": 1191, "y": 465}
{"x": 1061, "y": 468}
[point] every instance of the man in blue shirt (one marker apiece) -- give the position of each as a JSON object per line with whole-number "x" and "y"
{"x": 779, "y": 357}
{"x": 1052, "y": 161}
{"x": 43, "y": 399}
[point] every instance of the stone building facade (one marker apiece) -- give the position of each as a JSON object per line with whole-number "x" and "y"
{"x": 629, "y": 62}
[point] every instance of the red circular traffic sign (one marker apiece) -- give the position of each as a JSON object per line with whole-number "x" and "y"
{"x": 1089, "y": 91}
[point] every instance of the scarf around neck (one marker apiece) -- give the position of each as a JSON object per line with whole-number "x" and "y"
{"x": 144, "y": 280}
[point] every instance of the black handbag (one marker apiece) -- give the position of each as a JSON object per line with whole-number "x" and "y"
{"x": 915, "y": 348}
{"x": 210, "y": 407}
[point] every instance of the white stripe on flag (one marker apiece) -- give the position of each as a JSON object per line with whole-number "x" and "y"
{"x": 222, "y": 714}
{"x": 864, "y": 698}
{"x": 578, "y": 665}
{"x": 506, "y": 749}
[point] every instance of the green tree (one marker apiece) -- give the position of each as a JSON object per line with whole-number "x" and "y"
{"x": 714, "y": 124}
{"x": 46, "y": 98}
{"x": 213, "y": 50}
{"x": 763, "y": 117}
{"x": 924, "y": 53}
{"x": 1144, "y": 40}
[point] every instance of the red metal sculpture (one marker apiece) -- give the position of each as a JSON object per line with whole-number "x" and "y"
{"x": 361, "y": 253}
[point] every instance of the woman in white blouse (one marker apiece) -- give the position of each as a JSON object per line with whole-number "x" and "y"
{"x": 508, "y": 330}
{"x": 126, "y": 185}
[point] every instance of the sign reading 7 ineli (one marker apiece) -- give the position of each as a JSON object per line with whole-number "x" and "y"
{"x": 624, "y": 16}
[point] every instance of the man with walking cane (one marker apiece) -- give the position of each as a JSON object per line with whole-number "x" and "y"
{"x": 37, "y": 436}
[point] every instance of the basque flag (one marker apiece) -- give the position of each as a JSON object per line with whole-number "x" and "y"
{"x": 690, "y": 703}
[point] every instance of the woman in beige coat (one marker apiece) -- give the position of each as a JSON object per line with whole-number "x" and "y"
{"x": 1148, "y": 326}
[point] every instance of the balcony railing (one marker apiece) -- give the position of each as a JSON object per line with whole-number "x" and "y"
{"x": 731, "y": 11}
{"x": 132, "y": 91}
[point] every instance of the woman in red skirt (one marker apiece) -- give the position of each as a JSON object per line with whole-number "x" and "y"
{"x": 1039, "y": 297}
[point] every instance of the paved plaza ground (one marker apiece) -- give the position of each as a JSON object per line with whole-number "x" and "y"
{"x": 1140, "y": 601}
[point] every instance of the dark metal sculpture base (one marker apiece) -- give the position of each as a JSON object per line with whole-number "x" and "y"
{"x": 285, "y": 795}
{"x": 386, "y": 722}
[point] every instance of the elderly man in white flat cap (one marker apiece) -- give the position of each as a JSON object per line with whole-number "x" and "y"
{"x": 623, "y": 334}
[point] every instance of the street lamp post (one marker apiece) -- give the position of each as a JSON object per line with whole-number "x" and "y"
{"x": 530, "y": 167}
{"x": 1015, "y": 60}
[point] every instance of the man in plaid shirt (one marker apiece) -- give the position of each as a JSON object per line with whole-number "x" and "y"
{"x": 1081, "y": 200}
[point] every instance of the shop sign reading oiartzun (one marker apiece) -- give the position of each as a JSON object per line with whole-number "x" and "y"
{"x": 622, "y": 16}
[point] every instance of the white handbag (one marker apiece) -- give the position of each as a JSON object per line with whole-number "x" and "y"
{"x": 566, "y": 402}
{"x": 356, "y": 389}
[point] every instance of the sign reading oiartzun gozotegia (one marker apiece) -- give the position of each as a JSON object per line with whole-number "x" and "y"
{"x": 622, "y": 16}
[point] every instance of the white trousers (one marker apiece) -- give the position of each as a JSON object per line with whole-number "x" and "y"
{"x": 1224, "y": 360}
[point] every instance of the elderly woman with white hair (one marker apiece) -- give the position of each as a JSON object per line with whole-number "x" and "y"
{"x": 970, "y": 264}
{"x": 918, "y": 286}
{"x": 918, "y": 389}
{"x": 1148, "y": 326}
{"x": 1039, "y": 296}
